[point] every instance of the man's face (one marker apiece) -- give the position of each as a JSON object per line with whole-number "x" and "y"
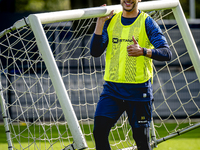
{"x": 129, "y": 5}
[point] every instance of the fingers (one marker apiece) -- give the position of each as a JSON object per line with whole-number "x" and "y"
{"x": 110, "y": 15}
{"x": 134, "y": 49}
{"x": 131, "y": 50}
{"x": 135, "y": 42}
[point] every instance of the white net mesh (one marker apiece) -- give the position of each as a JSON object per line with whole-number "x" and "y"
{"x": 36, "y": 119}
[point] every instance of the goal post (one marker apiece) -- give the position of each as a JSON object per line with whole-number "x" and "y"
{"x": 47, "y": 74}
{"x": 188, "y": 38}
{"x": 5, "y": 119}
{"x": 47, "y": 55}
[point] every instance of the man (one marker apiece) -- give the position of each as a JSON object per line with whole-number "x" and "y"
{"x": 132, "y": 39}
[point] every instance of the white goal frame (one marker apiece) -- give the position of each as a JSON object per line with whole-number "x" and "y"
{"x": 35, "y": 21}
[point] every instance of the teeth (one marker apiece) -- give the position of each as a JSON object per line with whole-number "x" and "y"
{"x": 128, "y": 3}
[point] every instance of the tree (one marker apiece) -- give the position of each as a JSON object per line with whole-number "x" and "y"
{"x": 186, "y": 7}
{"x": 75, "y": 4}
{"x": 53, "y": 5}
{"x": 41, "y": 5}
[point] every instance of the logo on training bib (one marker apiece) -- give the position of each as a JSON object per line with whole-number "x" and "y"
{"x": 117, "y": 40}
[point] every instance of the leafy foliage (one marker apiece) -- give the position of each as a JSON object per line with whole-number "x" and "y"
{"x": 41, "y": 5}
{"x": 185, "y": 5}
{"x": 54, "y": 5}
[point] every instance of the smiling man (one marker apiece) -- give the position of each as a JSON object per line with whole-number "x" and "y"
{"x": 132, "y": 39}
{"x": 128, "y": 6}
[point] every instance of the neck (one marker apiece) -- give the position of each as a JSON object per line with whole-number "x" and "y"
{"x": 131, "y": 14}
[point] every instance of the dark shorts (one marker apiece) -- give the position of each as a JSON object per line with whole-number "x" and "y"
{"x": 139, "y": 113}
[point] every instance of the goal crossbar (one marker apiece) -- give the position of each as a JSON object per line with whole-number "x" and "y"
{"x": 68, "y": 15}
{"x": 100, "y": 11}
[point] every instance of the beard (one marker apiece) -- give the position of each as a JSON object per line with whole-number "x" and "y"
{"x": 129, "y": 10}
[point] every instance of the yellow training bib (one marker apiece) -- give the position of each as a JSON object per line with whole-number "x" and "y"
{"x": 120, "y": 67}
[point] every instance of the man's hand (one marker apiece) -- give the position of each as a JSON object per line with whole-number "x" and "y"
{"x": 101, "y": 21}
{"x": 135, "y": 49}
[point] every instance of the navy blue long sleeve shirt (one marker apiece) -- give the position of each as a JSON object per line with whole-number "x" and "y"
{"x": 161, "y": 52}
{"x": 154, "y": 33}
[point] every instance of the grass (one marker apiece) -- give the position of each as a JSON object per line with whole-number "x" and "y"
{"x": 187, "y": 141}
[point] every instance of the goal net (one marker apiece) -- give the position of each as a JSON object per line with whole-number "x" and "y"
{"x": 50, "y": 84}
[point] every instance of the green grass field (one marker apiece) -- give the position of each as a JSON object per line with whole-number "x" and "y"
{"x": 187, "y": 141}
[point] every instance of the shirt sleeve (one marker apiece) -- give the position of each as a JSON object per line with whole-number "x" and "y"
{"x": 162, "y": 51}
{"x": 99, "y": 42}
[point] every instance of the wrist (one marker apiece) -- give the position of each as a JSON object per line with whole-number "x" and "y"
{"x": 99, "y": 27}
{"x": 144, "y": 51}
